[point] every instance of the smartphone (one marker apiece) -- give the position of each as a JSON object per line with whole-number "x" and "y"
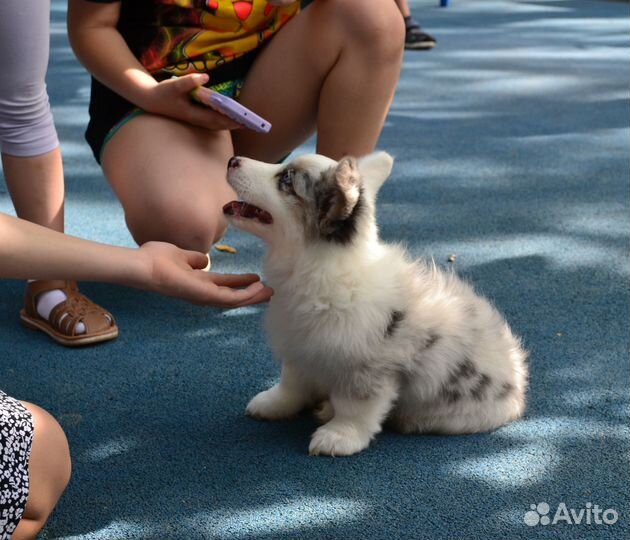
{"x": 230, "y": 108}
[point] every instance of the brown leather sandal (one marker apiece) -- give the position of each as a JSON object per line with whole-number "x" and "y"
{"x": 62, "y": 324}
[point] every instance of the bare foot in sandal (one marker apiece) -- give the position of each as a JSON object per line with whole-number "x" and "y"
{"x": 73, "y": 321}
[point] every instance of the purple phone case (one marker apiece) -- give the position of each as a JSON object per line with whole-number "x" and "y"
{"x": 231, "y": 108}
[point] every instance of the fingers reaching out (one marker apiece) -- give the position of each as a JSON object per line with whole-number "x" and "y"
{"x": 228, "y": 297}
{"x": 177, "y": 272}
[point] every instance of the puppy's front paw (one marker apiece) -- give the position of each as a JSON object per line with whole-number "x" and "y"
{"x": 337, "y": 440}
{"x": 272, "y": 404}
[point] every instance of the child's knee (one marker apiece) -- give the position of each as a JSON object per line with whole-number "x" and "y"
{"x": 50, "y": 465}
{"x": 377, "y": 25}
{"x": 195, "y": 228}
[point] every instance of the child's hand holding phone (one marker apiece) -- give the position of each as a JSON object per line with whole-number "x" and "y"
{"x": 231, "y": 108}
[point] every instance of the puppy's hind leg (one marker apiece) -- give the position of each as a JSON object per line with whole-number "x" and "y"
{"x": 471, "y": 416}
{"x": 354, "y": 424}
{"x": 283, "y": 400}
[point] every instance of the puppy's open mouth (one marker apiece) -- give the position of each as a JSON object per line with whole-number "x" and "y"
{"x": 247, "y": 211}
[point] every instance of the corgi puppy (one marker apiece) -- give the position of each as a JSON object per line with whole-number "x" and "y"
{"x": 362, "y": 331}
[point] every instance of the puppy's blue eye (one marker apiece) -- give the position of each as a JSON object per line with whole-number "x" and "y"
{"x": 286, "y": 180}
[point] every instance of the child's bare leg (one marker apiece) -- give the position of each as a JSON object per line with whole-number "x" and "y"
{"x": 48, "y": 472}
{"x": 37, "y": 187}
{"x": 333, "y": 68}
{"x": 30, "y": 147}
{"x": 171, "y": 180}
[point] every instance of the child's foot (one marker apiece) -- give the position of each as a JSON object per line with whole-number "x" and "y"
{"x": 61, "y": 311}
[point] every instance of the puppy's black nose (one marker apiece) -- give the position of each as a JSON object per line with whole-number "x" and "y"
{"x": 234, "y": 163}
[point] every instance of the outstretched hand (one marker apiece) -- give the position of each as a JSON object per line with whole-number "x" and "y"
{"x": 180, "y": 273}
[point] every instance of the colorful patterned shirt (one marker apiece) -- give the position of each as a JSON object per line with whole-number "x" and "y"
{"x": 176, "y": 37}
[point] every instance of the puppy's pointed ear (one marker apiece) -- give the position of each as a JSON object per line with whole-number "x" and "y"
{"x": 375, "y": 168}
{"x": 341, "y": 196}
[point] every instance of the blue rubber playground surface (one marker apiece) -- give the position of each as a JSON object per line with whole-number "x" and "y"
{"x": 511, "y": 139}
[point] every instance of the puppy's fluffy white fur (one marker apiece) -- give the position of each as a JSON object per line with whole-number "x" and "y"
{"x": 360, "y": 329}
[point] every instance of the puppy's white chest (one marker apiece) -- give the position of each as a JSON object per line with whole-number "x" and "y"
{"x": 316, "y": 331}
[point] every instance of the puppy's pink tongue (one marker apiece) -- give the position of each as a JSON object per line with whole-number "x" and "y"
{"x": 233, "y": 208}
{"x": 247, "y": 211}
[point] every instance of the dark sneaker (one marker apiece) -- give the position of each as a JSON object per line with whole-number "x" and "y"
{"x": 416, "y": 38}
